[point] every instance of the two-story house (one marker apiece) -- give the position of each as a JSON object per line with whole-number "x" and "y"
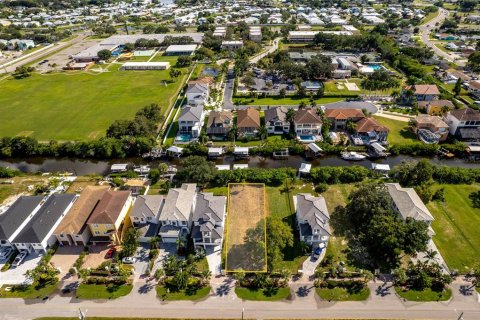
{"x": 219, "y": 123}
{"x": 209, "y": 220}
{"x": 37, "y": 235}
{"x": 107, "y": 219}
{"x": 197, "y": 93}
{"x": 145, "y": 215}
{"x": 307, "y": 123}
{"x": 176, "y": 214}
{"x": 434, "y": 125}
{"x": 370, "y": 130}
{"x": 191, "y": 120}
{"x": 464, "y": 123}
{"x": 73, "y": 230}
{"x": 16, "y": 217}
{"x": 421, "y": 92}
{"x": 408, "y": 204}
{"x": 339, "y": 117}
{"x": 312, "y": 218}
{"x": 276, "y": 120}
{"x": 248, "y": 122}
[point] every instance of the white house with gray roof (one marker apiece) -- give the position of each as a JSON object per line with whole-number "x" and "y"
{"x": 312, "y": 218}
{"x": 177, "y": 212}
{"x": 191, "y": 120}
{"x": 408, "y": 204}
{"x": 197, "y": 93}
{"x": 208, "y": 220}
{"x": 145, "y": 215}
{"x": 17, "y": 216}
{"x": 37, "y": 235}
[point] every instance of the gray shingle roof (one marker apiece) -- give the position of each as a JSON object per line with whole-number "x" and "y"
{"x": 11, "y": 219}
{"x": 314, "y": 211}
{"x": 178, "y": 203}
{"x": 278, "y": 114}
{"x": 408, "y": 203}
{"x": 51, "y": 211}
{"x": 209, "y": 204}
{"x": 190, "y": 113}
{"x": 147, "y": 206}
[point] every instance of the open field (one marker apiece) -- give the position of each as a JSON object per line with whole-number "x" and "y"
{"x": 399, "y": 131}
{"x": 19, "y": 186}
{"x": 80, "y": 105}
{"x": 456, "y": 226}
{"x": 246, "y": 238}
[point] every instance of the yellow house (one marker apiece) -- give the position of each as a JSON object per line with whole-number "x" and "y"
{"x": 436, "y": 107}
{"x": 107, "y": 219}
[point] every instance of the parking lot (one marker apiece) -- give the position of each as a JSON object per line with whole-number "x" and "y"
{"x": 268, "y": 84}
{"x": 16, "y": 275}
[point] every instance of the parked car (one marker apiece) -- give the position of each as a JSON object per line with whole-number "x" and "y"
{"x": 129, "y": 260}
{"x": 110, "y": 253}
{"x": 19, "y": 259}
{"x": 317, "y": 252}
{"x": 6, "y": 253}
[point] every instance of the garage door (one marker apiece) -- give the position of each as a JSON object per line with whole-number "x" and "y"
{"x": 65, "y": 243}
{"x": 80, "y": 243}
{"x": 169, "y": 240}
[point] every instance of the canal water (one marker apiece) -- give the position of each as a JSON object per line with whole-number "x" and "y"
{"x": 84, "y": 167}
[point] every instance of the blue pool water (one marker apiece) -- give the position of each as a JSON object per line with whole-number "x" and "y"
{"x": 307, "y": 138}
{"x": 375, "y": 66}
{"x": 183, "y": 137}
{"x": 118, "y": 50}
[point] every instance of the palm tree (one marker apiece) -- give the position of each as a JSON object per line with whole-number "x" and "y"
{"x": 430, "y": 255}
{"x": 205, "y": 276}
{"x": 262, "y": 132}
{"x": 154, "y": 242}
{"x": 181, "y": 243}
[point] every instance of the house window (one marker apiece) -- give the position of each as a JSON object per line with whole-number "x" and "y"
{"x": 149, "y": 218}
{"x": 183, "y": 223}
{"x": 97, "y": 232}
{"x": 95, "y": 225}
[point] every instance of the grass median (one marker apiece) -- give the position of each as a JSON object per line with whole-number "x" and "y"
{"x": 100, "y": 291}
{"x": 274, "y": 294}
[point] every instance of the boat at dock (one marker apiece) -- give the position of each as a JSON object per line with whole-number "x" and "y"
{"x": 353, "y": 156}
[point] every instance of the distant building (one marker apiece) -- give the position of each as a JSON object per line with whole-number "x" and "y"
{"x": 232, "y": 45}
{"x": 255, "y": 34}
{"x": 145, "y": 66}
{"x": 464, "y": 123}
{"x": 180, "y": 50}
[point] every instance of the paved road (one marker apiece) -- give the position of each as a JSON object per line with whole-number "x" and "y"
{"x": 228, "y": 92}
{"x": 426, "y": 29}
{"x": 270, "y": 49}
{"x": 43, "y": 53}
{"x": 222, "y": 303}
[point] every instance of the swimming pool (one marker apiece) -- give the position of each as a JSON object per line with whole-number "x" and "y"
{"x": 118, "y": 50}
{"x": 375, "y": 66}
{"x": 183, "y": 137}
{"x": 307, "y": 138}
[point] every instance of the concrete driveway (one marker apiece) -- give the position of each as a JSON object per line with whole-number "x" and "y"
{"x": 16, "y": 275}
{"x": 214, "y": 259}
{"x": 95, "y": 256}
{"x": 64, "y": 259}
{"x": 165, "y": 250}
{"x": 141, "y": 263}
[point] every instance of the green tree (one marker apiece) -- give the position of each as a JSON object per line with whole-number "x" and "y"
{"x": 174, "y": 73}
{"x": 458, "y": 87}
{"x": 196, "y": 169}
{"x": 474, "y": 61}
{"x": 104, "y": 54}
{"x": 130, "y": 242}
{"x": 279, "y": 236}
{"x": 180, "y": 280}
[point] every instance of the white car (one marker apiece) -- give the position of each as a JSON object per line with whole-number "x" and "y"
{"x": 19, "y": 259}
{"x": 129, "y": 260}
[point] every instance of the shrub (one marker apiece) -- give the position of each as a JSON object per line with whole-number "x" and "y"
{"x": 321, "y": 187}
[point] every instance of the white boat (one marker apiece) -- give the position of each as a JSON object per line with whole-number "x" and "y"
{"x": 142, "y": 169}
{"x": 353, "y": 156}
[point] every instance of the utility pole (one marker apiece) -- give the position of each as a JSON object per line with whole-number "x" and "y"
{"x": 82, "y": 315}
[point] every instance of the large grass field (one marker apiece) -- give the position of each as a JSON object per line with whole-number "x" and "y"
{"x": 80, "y": 105}
{"x": 457, "y": 226}
{"x": 399, "y": 131}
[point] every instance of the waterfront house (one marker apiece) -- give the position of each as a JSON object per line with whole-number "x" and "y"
{"x": 312, "y": 218}
{"x": 209, "y": 220}
{"x": 191, "y": 120}
{"x": 219, "y": 123}
{"x": 145, "y": 215}
{"x": 308, "y": 123}
{"x": 370, "y": 130}
{"x": 340, "y": 117}
{"x": 248, "y": 122}
{"x": 276, "y": 120}
{"x": 464, "y": 123}
{"x": 433, "y": 124}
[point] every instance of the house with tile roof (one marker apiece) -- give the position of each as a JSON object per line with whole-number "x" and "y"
{"x": 370, "y": 130}
{"x": 464, "y": 124}
{"x": 37, "y": 235}
{"x": 219, "y": 123}
{"x": 107, "y": 219}
{"x": 312, "y": 218}
{"x": 307, "y": 122}
{"x": 177, "y": 212}
{"x": 209, "y": 220}
{"x": 73, "y": 230}
{"x": 339, "y": 117}
{"x": 433, "y": 124}
{"x": 421, "y": 92}
{"x": 408, "y": 204}
{"x": 248, "y": 122}
{"x": 276, "y": 120}
{"x": 145, "y": 215}
{"x": 16, "y": 217}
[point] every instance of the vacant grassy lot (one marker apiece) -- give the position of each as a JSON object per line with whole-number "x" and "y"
{"x": 399, "y": 131}
{"x": 425, "y": 295}
{"x": 262, "y": 295}
{"x": 341, "y": 294}
{"x": 98, "y": 291}
{"x": 80, "y": 105}
{"x": 245, "y": 234}
{"x": 27, "y": 292}
{"x": 19, "y": 186}
{"x": 456, "y": 226}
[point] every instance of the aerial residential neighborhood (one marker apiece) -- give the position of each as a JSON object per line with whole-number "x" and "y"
{"x": 235, "y": 159}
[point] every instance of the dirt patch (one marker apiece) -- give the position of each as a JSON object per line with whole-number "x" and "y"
{"x": 80, "y": 184}
{"x": 246, "y": 242}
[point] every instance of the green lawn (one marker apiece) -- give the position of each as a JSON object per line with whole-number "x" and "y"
{"x": 98, "y": 291}
{"x": 182, "y": 294}
{"x": 80, "y": 105}
{"x": 456, "y": 226}
{"x": 425, "y": 295}
{"x": 341, "y": 294}
{"x": 282, "y": 101}
{"x": 28, "y": 292}
{"x": 399, "y": 131}
{"x": 429, "y": 17}
{"x": 262, "y": 295}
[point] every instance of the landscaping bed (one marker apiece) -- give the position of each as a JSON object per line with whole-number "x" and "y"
{"x": 343, "y": 290}
{"x": 268, "y": 294}
{"x": 102, "y": 291}
{"x": 424, "y": 295}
